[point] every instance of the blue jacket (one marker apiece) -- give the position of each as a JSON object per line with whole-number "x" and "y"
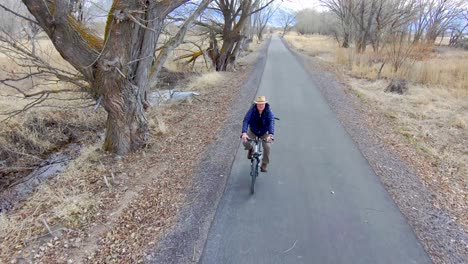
{"x": 259, "y": 124}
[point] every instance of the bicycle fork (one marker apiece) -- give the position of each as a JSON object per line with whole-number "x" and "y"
{"x": 256, "y": 159}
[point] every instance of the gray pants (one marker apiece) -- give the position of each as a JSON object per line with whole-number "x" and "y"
{"x": 266, "y": 146}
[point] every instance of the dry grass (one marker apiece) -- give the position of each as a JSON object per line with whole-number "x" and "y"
{"x": 61, "y": 203}
{"x": 443, "y": 66}
{"x": 441, "y": 71}
{"x": 313, "y": 45}
{"x": 201, "y": 82}
{"x": 432, "y": 117}
{"x": 449, "y": 72}
{"x": 442, "y": 41}
{"x": 434, "y": 121}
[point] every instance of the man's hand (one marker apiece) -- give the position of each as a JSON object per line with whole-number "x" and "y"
{"x": 244, "y": 137}
{"x": 269, "y": 139}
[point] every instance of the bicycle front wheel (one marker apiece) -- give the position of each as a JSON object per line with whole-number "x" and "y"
{"x": 254, "y": 174}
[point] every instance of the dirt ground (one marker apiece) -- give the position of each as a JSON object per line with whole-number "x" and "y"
{"x": 107, "y": 209}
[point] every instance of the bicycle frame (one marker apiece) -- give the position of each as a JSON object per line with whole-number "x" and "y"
{"x": 258, "y": 150}
{"x": 255, "y": 161}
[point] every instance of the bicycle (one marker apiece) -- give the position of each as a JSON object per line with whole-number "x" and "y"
{"x": 255, "y": 160}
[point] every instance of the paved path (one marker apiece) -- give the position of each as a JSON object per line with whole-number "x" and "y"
{"x": 320, "y": 202}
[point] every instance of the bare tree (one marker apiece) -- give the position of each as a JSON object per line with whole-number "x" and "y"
{"x": 367, "y": 21}
{"x": 344, "y": 10}
{"x": 441, "y": 15}
{"x": 43, "y": 75}
{"x": 363, "y": 17}
{"x": 262, "y": 18}
{"x": 175, "y": 41}
{"x": 77, "y": 9}
{"x": 459, "y": 30}
{"x": 249, "y": 27}
{"x": 390, "y": 17}
{"x": 435, "y": 17}
{"x": 306, "y": 21}
{"x": 287, "y": 20}
{"x": 235, "y": 14}
{"x": 421, "y": 20}
{"x": 115, "y": 70}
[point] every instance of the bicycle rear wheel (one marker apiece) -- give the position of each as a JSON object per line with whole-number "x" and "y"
{"x": 253, "y": 174}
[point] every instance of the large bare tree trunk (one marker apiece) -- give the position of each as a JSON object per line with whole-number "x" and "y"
{"x": 225, "y": 54}
{"x": 231, "y": 35}
{"x": 123, "y": 76}
{"x": 118, "y": 71}
{"x": 236, "y": 14}
{"x": 345, "y": 43}
{"x": 127, "y": 126}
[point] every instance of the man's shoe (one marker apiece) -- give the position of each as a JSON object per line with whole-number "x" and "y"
{"x": 263, "y": 167}
{"x": 250, "y": 154}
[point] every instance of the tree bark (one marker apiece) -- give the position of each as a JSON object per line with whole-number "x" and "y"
{"x": 123, "y": 74}
{"x": 236, "y": 14}
{"x": 72, "y": 41}
{"x": 345, "y": 43}
{"x": 118, "y": 71}
{"x": 225, "y": 54}
{"x": 127, "y": 126}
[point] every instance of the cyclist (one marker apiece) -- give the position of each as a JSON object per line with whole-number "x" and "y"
{"x": 259, "y": 121}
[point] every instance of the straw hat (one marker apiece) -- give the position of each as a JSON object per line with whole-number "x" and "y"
{"x": 261, "y": 100}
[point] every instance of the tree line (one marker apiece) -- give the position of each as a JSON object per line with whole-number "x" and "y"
{"x": 372, "y": 22}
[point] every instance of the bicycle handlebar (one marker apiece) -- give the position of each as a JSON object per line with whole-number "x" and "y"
{"x": 253, "y": 139}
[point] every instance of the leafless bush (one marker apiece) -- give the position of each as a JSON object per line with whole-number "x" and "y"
{"x": 397, "y": 52}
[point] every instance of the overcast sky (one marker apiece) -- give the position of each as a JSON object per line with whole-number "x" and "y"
{"x": 301, "y": 4}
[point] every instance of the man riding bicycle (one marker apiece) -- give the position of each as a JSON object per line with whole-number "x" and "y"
{"x": 259, "y": 121}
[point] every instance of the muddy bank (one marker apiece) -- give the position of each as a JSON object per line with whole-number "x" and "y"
{"x": 19, "y": 190}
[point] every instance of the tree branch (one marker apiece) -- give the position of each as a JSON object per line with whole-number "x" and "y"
{"x": 176, "y": 40}
{"x": 49, "y": 92}
{"x": 261, "y": 8}
{"x": 17, "y": 14}
{"x": 74, "y": 42}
